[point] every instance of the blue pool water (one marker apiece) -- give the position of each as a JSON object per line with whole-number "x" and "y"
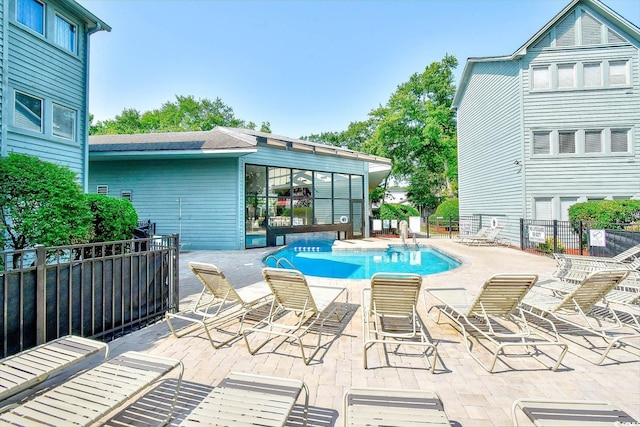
{"x": 317, "y": 259}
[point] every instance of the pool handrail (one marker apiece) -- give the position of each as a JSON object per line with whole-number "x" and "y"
{"x": 280, "y": 261}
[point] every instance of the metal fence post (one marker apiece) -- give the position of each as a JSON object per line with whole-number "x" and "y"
{"x": 581, "y": 242}
{"x": 41, "y": 294}
{"x": 555, "y": 236}
{"x": 522, "y": 233}
{"x": 176, "y": 272}
{"x": 428, "y": 226}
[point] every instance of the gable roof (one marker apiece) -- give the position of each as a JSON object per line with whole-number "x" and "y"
{"x": 89, "y": 17}
{"x": 631, "y": 31}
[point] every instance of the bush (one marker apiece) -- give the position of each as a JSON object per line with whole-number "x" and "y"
{"x": 397, "y": 211}
{"x": 42, "y": 204}
{"x": 602, "y": 213}
{"x": 547, "y": 246}
{"x": 447, "y": 209}
{"x": 113, "y": 219}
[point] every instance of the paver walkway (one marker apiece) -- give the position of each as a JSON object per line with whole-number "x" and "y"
{"x": 472, "y": 397}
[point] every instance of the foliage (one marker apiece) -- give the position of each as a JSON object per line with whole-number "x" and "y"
{"x": 447, "y": 209}
{"x": 397, "y": 211}
{"x": 547, "y": 246}
{"x": 603, "y": 213}
{"x": 41, "y": 203}
{"x": 113, "y": 219}
{"x": 416, "y": 128}
{"x": 185, "y": 114}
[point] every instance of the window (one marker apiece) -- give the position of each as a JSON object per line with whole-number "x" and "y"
{"x": 593, "y": 141}
{"x": 618, "y": 73}
{"x": 566, "y": 75}
{"x": 64, "y": 122}
{"x": 28, "y": 112}
{"x": 592, "y": 74}
{"x": 103, "y": 190}
{"x": 540, "y": 77}
{"x": 566, "y": 142}
{"x": 619, "y": 140}
{"x": 30, "y": 13}
{"x": 65, "y": 34}
{"x": 543, "y": 209}
{"x": 565, "y": 204}
{"x": 541, "y": 143}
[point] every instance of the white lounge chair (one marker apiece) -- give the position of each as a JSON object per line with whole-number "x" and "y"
{"x": 392, "y": 407}
{"x": 625, "y": 256}
{"x": 577, "y": 310}
{"x": 33, "y": 366}
{"x": 389, "y": 314}
{"x": 310, "y": 305}
{"x": 489, "y": 238}
{"x": 87, "y": 398}
{"x": 494, "y": 315}
{"x": 249, "y": 400}
{"x": 219, "y": 300}
{"x": 577, "y": 413}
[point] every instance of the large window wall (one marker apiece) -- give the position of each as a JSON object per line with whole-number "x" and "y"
{"x": 284, "y": 197}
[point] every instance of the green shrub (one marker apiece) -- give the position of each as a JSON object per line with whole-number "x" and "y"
{"x": 602, "y": 213}
{"x": 547, "y": 246}
{"x": 397, "y": 211}
{"x": 113, "y": 219}
{"x": 447, "y": 209}
{"x": 42, "y": 204}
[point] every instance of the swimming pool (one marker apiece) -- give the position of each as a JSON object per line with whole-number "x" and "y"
{"x": 317, "y": 259}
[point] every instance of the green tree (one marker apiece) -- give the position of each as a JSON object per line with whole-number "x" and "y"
{"x": 41, "y": 204}
{"x": 186, "y": 113}
{"x": 416, "y": 128}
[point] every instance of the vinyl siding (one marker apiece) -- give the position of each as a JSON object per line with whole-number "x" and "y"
{"x": 582, "y": 175}
{"x": 40, "y": 68}
{"x": 489, "y": 142}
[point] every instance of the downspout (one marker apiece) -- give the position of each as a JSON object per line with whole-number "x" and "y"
{"x": 85, "y": 175}
{"x": 5, "y": 79}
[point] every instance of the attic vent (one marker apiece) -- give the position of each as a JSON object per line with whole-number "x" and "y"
{"x": 103, "y": 189}
{"x": 126, "y": 194}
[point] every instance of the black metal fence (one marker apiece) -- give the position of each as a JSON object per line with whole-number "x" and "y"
{"x": 102, "y": 290}
{"x": 437, "y": 228}
{"x": 585, "y": 238}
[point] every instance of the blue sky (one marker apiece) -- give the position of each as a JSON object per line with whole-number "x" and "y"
{"x": 304, "y": 66}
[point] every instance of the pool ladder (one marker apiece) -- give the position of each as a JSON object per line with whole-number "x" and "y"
{"x": 280, "y": 262}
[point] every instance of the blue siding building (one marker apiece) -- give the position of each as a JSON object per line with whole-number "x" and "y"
{"x": 234, "y": 188}
{"x": 45, "y": 80}
{"x": 554, "y": 123}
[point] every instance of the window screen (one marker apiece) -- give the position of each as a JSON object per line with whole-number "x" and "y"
{"x": 543, "y": 210}
{"x": 620, "y": 141}
{"x": 593, "y": 141}
{"x": 566, "y": 142}
{"x": 618, "y": 72}
{"x": 28, "y": 112}
{"x": 541, "y": 143}
{"x": 592, "y": 74}
{"x": 566, "y": 75}
{"x": 540, "y": 77}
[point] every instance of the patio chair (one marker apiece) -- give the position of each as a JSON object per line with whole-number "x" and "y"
{"x": 90, "y": 396}
{"x": 393, "y": 407}
{"x": 33, "y": 366}
{"x": 247, "y": 400}
{"x": 490, "y": 238}
{"x": 482, "y": 231}
{"x": 577, "y": 310}
{"x": 389, "y": 314}
{"x": 311, "y": 305}
{"x": 494, "y": 314}
{"x": 219, "y": 300}
{"x": 625, "y": 256}
{"x": 578, "y": 413}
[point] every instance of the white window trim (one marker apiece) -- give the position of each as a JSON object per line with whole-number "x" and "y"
{"x": 531, "y": 76}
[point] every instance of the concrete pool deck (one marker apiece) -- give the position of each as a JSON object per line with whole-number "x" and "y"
{"x": 471, "y": 396}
